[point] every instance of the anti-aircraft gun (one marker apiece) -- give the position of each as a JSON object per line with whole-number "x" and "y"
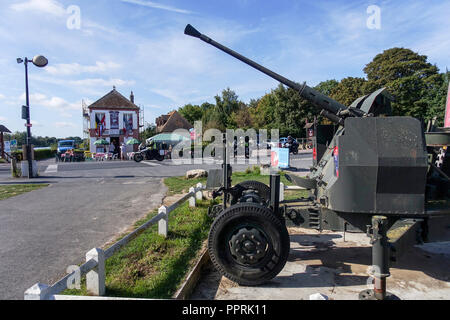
{"x": 376, "y": 175}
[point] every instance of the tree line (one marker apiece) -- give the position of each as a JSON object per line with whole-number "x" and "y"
{"x": 417, "y": 85}
{"x": 38, "y": 141}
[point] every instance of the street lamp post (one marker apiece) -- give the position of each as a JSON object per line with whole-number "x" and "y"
{"x": 38, "y": 61}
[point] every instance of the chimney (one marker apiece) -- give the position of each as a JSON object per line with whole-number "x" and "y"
{"x": 132, "y": 97}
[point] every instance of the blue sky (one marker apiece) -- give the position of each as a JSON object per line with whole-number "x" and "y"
{"x": 139, "y": 45}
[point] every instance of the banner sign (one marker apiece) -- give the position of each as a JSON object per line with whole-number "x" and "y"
{"x": 7, "y": 146}
{"x": 128, "y": 123}
{"x": 280, "y": 157}
{"x": 114, "y": 120}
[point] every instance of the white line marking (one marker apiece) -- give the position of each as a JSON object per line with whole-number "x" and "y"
{"x": 51, "y": 168}
{"x": 152, "y": 164}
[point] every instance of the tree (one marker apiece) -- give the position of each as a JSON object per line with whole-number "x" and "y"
{"x": 437, "y": 98}
{"x": 409, "y": 77}
{"x": 264, "y": 117}
{"x": 242, "y": 118}
{"x": 326, "y": 87}
{"x": 226, "y": 105}
{"x": 191, "y": 112}
{"x": 348, "y": 90}
{"x": 148, "y": 132}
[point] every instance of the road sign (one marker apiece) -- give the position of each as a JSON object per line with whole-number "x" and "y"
{"x": 25, "y": 112}
{"x": 7, "y": 146}
{"x": 13, "y": 144}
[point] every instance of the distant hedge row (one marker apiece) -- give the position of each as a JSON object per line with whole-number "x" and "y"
{"x": 38, "y": 154}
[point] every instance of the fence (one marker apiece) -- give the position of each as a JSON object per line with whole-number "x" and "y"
{"x": 94, "y": 267}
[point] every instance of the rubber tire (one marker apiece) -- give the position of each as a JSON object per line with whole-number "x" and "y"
{"x": 263, "y": 189}
{"x": 254, "y": 215}
{"x": 138, "y": 157}
{"x": 159, "y": 157}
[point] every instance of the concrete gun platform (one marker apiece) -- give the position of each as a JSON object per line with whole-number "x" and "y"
{"x": 325, "y": 263}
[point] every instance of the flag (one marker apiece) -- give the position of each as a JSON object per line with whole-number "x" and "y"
{"x": 447, "y": 109}
{"x": 101, "y": 126}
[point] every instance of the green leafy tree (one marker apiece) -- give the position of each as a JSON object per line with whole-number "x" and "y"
{"x": 348, "y": 90}
{"x": 437, "y": 98}
{"x": 226, "y": 104}
{"x": 148, "y": 132}
{"x": 191, "y": 112}
{"x": 409, "y": 77}
{"x": 327, "y": 87}
{"x": 264, "y": 117}
{"x": 242, "y": 118}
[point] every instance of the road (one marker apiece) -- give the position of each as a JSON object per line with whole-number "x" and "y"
{"x": 86, "y": 205}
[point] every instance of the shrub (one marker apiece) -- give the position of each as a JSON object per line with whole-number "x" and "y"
{"x": 38, "y": 154}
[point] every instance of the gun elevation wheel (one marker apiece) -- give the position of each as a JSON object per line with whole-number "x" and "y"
{"x": 248, "y": 244}
{"x": 263, "y": 191}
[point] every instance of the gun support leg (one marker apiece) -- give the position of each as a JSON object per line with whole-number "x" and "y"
{"x": 380, "y": 261}
{"x": 275, "y": 192}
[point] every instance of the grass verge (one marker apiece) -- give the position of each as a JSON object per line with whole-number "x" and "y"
{"x": 152, "y": 266}
{"x": 16, "y": 189}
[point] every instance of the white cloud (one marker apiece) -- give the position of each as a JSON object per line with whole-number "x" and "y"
{"x": 155, "y": 5}
{"x": 2, "y": 119}
{"x": 53, "y": 103}
{"x": 45, "y": 6}
{"x": 2, "y": 96}
{"x": 64, "y": 124}
{"x": 75, "y": 68}
{"x": 101, "y": 82}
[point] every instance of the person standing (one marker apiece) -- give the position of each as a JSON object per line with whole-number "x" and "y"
{"x": 122, "y": 151}
{"x": 111, "y": 147}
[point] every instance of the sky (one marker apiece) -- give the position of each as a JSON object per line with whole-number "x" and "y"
{"x": 139, "y": 46}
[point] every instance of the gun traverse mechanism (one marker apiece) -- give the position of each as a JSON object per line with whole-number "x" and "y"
{"x": 374, "y": 175}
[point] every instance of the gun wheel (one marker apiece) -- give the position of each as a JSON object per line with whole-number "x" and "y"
{"x": 248, "y": 244}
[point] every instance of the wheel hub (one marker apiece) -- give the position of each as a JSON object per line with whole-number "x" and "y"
{"x": 248, "y": 246}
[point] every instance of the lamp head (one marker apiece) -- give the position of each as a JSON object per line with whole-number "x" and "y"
{"x": 40, "y": 61}
{"x": 19, "y": 60}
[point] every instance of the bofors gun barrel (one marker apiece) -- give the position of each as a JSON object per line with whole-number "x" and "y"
{"x": 331, "y": 107}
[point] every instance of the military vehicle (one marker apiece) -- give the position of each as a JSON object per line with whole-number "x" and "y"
{"x": 373, "y": 172}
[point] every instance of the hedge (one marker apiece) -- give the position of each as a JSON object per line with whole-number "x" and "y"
{"x": 41, "y": 154}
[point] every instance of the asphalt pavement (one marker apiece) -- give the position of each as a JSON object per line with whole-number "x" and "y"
{"x": 86, "y": 205}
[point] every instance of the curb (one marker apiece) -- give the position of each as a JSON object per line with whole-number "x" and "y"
{"x": 191, "y": 280}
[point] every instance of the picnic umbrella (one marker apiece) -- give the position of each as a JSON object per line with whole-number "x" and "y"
{"x": 133, "y": 141}
{"x": 101, "y": 142}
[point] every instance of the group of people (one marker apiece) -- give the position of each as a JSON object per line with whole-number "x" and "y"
{"x": 68, "y": 156}
{"x": 120, "y": 151}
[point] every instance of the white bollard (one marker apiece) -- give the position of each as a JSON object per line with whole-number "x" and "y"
{"x": 37, "y": 292}
{"x": 199, "y": 193}
{"x": 192, "y": 199}
{"x": 95, "y": 279}
{"x": 281, "y": 191}
{"x": 163, "y": 223}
